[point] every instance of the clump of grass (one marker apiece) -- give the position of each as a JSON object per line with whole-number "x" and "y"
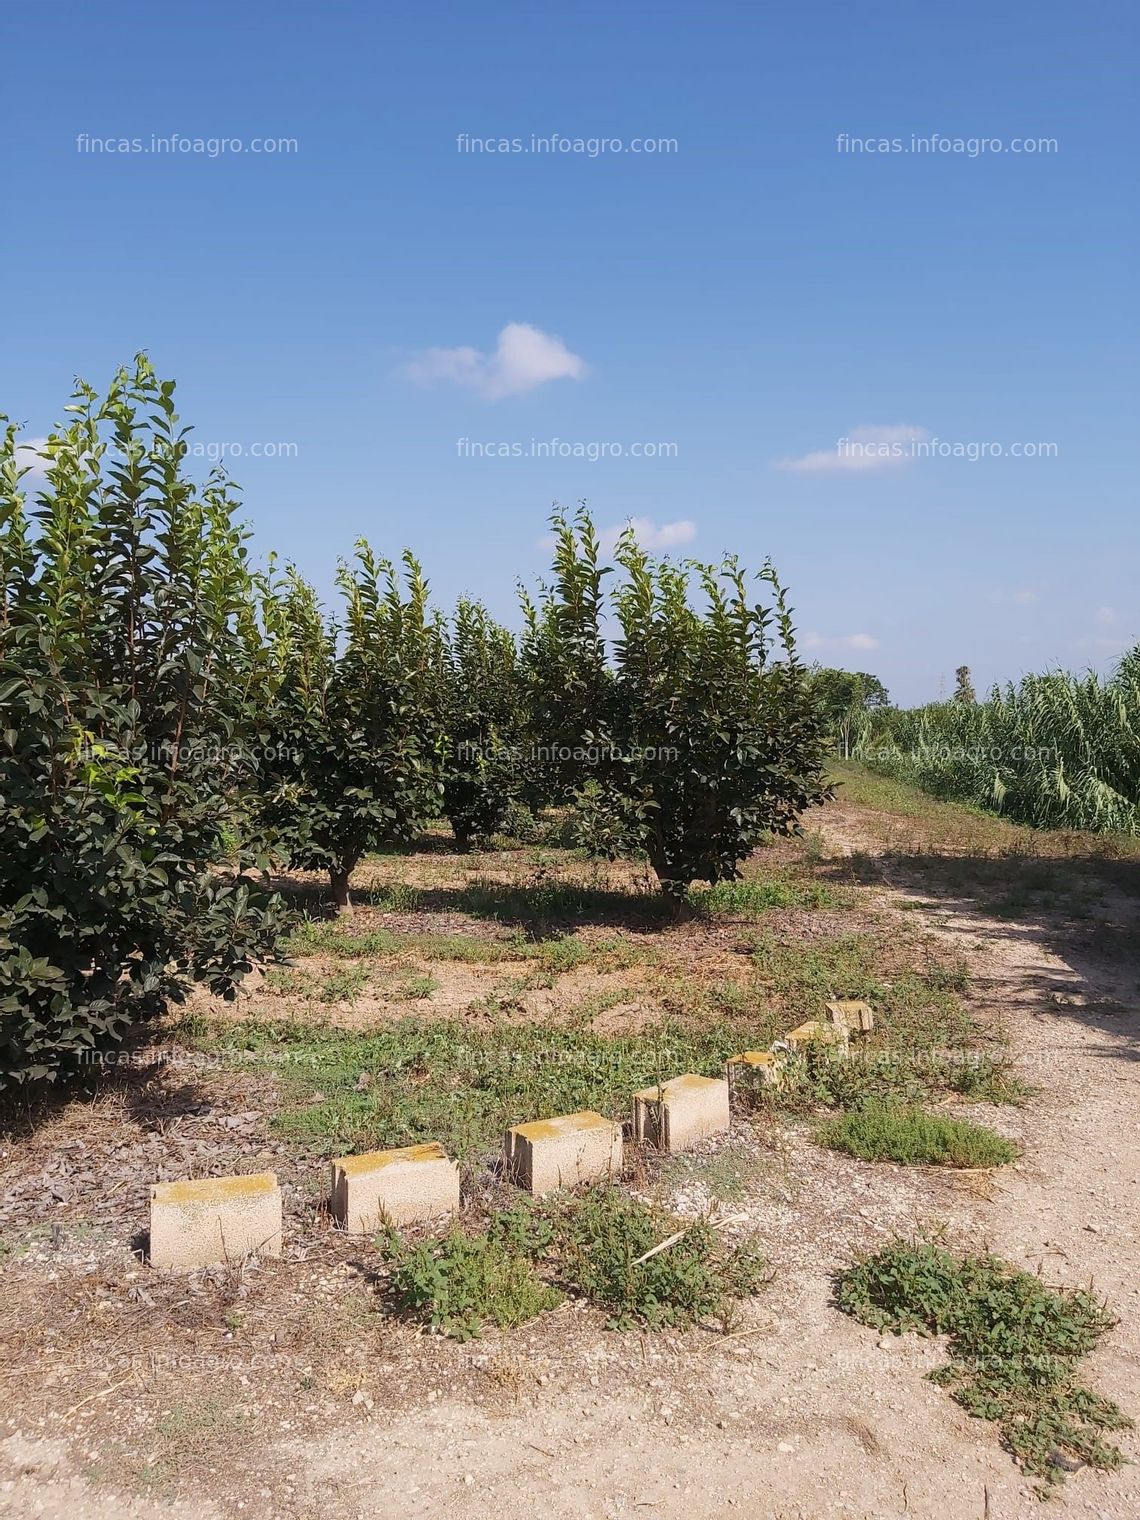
{"x": 752, "y": 898}
{"x": 878, "y": 1131}
{"x": 463, "y": 1282}
{"x": 346, "y": 985}
{"x": 415, "y": 986}
{"x": 599, "y": 1245}
{"x": 1014, "y": 1347}
{"x": 556, "y": 953}
{"x": 604, "y": 1238}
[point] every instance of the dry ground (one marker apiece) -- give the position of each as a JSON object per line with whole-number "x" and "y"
{"x": 285, "y": 1390}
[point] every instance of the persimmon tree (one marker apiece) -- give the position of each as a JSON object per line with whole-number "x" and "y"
{"x": 700, "y": 735}
{"x": 355, "y": 722}
{"x": 483, "y": 714}
{"x": 130, "y": 678}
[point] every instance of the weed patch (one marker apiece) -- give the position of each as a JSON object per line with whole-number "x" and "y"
{"x": 878, "y": 1131}
{"x": 604, "y": 1238}
{"x": 1014, "y": 1347}
{"x": 463, "y": 1282}
{"x": 752, "y": 898}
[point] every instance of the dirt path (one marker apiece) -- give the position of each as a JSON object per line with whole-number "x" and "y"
{"x": 802, "y": 1413}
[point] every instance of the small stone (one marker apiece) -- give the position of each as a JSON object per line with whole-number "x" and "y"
{"x": 785, "y": 1446}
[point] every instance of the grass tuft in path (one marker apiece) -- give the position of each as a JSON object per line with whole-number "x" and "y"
{"x": 879, "y": 1131}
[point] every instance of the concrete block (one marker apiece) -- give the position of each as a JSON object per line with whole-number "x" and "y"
{"x": 681, "y": 1111}
{"x": 393, "y": 1187}
{"x": 554, "y": 1153}
{"x": 754, "y": 1068}
{"x": 815, "y": 1033}
{"x": 851, "y": 1014}
{"x": 215, "y": 1219}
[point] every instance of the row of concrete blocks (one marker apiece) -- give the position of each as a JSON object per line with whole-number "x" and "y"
{"x": 202, "y": 1223}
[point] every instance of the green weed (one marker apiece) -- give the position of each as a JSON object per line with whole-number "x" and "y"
{"x": 463, "y": 1282}
{"x": 603, "y": 1236}
{"x": 752, "y": 898}
{"x": 878, "y": 1131}
{"x": 461, "y": 1086}
{"x": 1014, "y": 1347}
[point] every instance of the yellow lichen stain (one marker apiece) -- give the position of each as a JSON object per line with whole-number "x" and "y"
{"x": 371, "y": 1161}
{"x": 677, "y": 1087}
{"x": 550, "y": 1129}
{"x": 753, "y": 1058}
{"x": 213, "y": 1189}
{"x": 804, "y": 1034}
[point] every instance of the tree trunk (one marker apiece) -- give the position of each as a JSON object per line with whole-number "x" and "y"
{"x": 338, "y": 880}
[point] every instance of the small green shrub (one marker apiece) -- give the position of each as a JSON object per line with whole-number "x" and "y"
{"x": 1014, "y": 1346}
{"x": 461, "y": 1283}
{"x": 885, "y": 1131}
{"x": 602, "y": 1234}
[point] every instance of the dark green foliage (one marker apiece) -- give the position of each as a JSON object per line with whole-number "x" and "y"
{"x": 589, "y": 1244}
{"x": 354, "y": 723}
{"x": 602, "y": 1236}
{"x": 460, "y": 1283}
{"x": 1014, "y": 1347}
{"x": 483, "y": 713}
{"x": 886, "y": 1131}
{"x": 698, "y": 743}
{"x": 130, "y": 669}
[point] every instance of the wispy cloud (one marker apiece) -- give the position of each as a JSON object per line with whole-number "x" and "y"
{"x": 524, "y": 358}
{"x": 668, "y": 536}
{"x": 862, "y": 451}
{"x": 840, "y": 641}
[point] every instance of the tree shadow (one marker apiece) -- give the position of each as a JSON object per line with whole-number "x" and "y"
{"x": 1084, "y": 911}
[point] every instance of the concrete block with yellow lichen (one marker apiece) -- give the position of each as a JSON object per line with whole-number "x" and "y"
{"x": 852, "y": 1015}
{"x": 754, "y": 1068}
{"x": 210, "y": 1220}
{"x": 680, "y": 1112}
{"x": 554, "y": 1153}
{"x": 815, "y": 1033}
{"x": 395, "y": 1187}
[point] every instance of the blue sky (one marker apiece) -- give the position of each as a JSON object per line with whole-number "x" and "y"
{"x": 348, "y": 309}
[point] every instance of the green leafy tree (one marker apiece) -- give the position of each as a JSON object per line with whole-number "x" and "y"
{"x": 130, "y": 672}
{"x": 698, "y": 742}
{"x": 849, "y": 699}
{"x": 483, "y": 717}
{"x": 355, "y": 721}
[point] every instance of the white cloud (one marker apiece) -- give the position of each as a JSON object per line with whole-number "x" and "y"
{"x": 649, "y": 535}
{"x": 1107, "y": 616}
{"x": 28, "y": 455}
{"x": 841, "y": 641}
{"x": 863, "y": 450}
{"x": 524, "y": 358}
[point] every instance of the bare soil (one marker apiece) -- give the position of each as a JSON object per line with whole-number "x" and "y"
{"x": 280, "y": 1390}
